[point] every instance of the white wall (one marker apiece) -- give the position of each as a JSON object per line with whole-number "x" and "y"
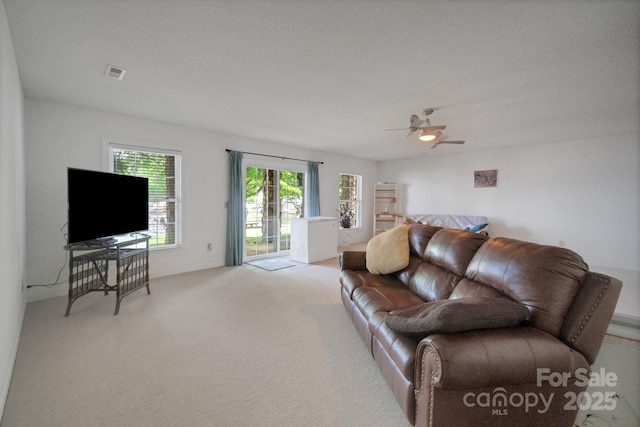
{"x": 60, "y": 136}
{"x": 12, "y": 206}
{"x": 583, "y": 193}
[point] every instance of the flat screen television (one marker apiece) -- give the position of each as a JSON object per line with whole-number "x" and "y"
{"x": 102, "y": 205}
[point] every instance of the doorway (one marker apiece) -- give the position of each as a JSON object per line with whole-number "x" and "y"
{"x": 273, "y": 198}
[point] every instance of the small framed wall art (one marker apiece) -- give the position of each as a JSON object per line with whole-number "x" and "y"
{"x": 486, "y": 178}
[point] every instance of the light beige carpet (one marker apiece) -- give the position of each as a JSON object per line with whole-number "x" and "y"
{"x": 231, "y": 346}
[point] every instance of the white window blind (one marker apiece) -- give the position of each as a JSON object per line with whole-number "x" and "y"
{"x": 350, "y": 198}
{"x": 163, "y": 170}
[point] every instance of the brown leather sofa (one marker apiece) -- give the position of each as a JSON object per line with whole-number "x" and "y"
{"x": 524, "y": 375}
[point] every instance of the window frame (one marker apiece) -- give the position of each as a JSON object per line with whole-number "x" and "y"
{"x": 357, "y": 201}
{"x": 257, "y": 161}
{"x": 111, "y": 144}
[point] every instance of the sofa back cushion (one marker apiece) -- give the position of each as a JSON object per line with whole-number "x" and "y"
{"x": 453, "y": 249}
{"x": 419, "y": 237}
{"x": 544, "y": 278}
{"x": 445, "y": 261}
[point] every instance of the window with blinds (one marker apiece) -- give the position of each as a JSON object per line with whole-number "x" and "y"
{"x": 162, "y": 168}
{"x": 350, "y": 200}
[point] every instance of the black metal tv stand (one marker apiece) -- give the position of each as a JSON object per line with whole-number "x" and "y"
{"x": 89, "y": 270}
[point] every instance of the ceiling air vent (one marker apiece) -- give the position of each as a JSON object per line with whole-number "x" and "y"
{"x": 115, "y": 72}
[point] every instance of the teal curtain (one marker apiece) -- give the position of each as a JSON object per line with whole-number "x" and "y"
{"x": 235, "y": 211}
{"x": 314, "y": 189}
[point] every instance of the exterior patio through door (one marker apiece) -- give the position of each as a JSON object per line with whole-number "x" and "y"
{"x": 272, "y": 199}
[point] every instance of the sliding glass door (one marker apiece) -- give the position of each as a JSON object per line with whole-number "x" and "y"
{"x": 273, "y": 198}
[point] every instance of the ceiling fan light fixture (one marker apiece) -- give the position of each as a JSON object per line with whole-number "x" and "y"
{"x": 427, "y": 136}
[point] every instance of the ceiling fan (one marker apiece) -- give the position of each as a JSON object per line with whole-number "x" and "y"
{"x": 428, "y": 133}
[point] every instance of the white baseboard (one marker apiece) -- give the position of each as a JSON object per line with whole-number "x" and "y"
{"x": 625, "y": 326}
{"x": 8, "y": 372}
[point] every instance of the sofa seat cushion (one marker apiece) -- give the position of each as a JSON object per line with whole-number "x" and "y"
{"x": 388, "y": 252}
{"x": 464, "y": 314}
{"x": 401, "y": 348}
{"x": 370, "y": 300}
{"x": 353, "y": 279}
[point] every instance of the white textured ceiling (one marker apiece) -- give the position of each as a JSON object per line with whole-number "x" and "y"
{"x": 332, "y": 75}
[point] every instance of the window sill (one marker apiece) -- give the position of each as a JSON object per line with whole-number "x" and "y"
{"x": 164, "y": 248}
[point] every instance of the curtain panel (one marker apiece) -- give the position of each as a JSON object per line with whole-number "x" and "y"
{"x": 314, "y": 189}
{"x": 235, "y": 211}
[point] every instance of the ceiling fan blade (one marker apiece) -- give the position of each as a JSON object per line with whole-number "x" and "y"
{"x": 399, "y": 129}
{"x": 435, "y": 144}
{"x": 414, "y": 121}
{"x": 433, "y": 128}
{"x": 451, "y": 142}
{"x": 411, "y": 132}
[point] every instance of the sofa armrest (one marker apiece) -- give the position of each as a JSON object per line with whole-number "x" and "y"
{"x": 588, "y": 318}
{"x": 353, "y": 260}
{"x": 486, "y": 375}
{"x": 497, "y": 377}
{"x": 492, "y": 357}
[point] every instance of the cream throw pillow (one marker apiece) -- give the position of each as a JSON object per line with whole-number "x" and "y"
{"x": 388, "y": 252}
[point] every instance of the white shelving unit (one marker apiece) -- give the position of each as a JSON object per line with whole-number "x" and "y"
{"x": 385, "y": 207}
